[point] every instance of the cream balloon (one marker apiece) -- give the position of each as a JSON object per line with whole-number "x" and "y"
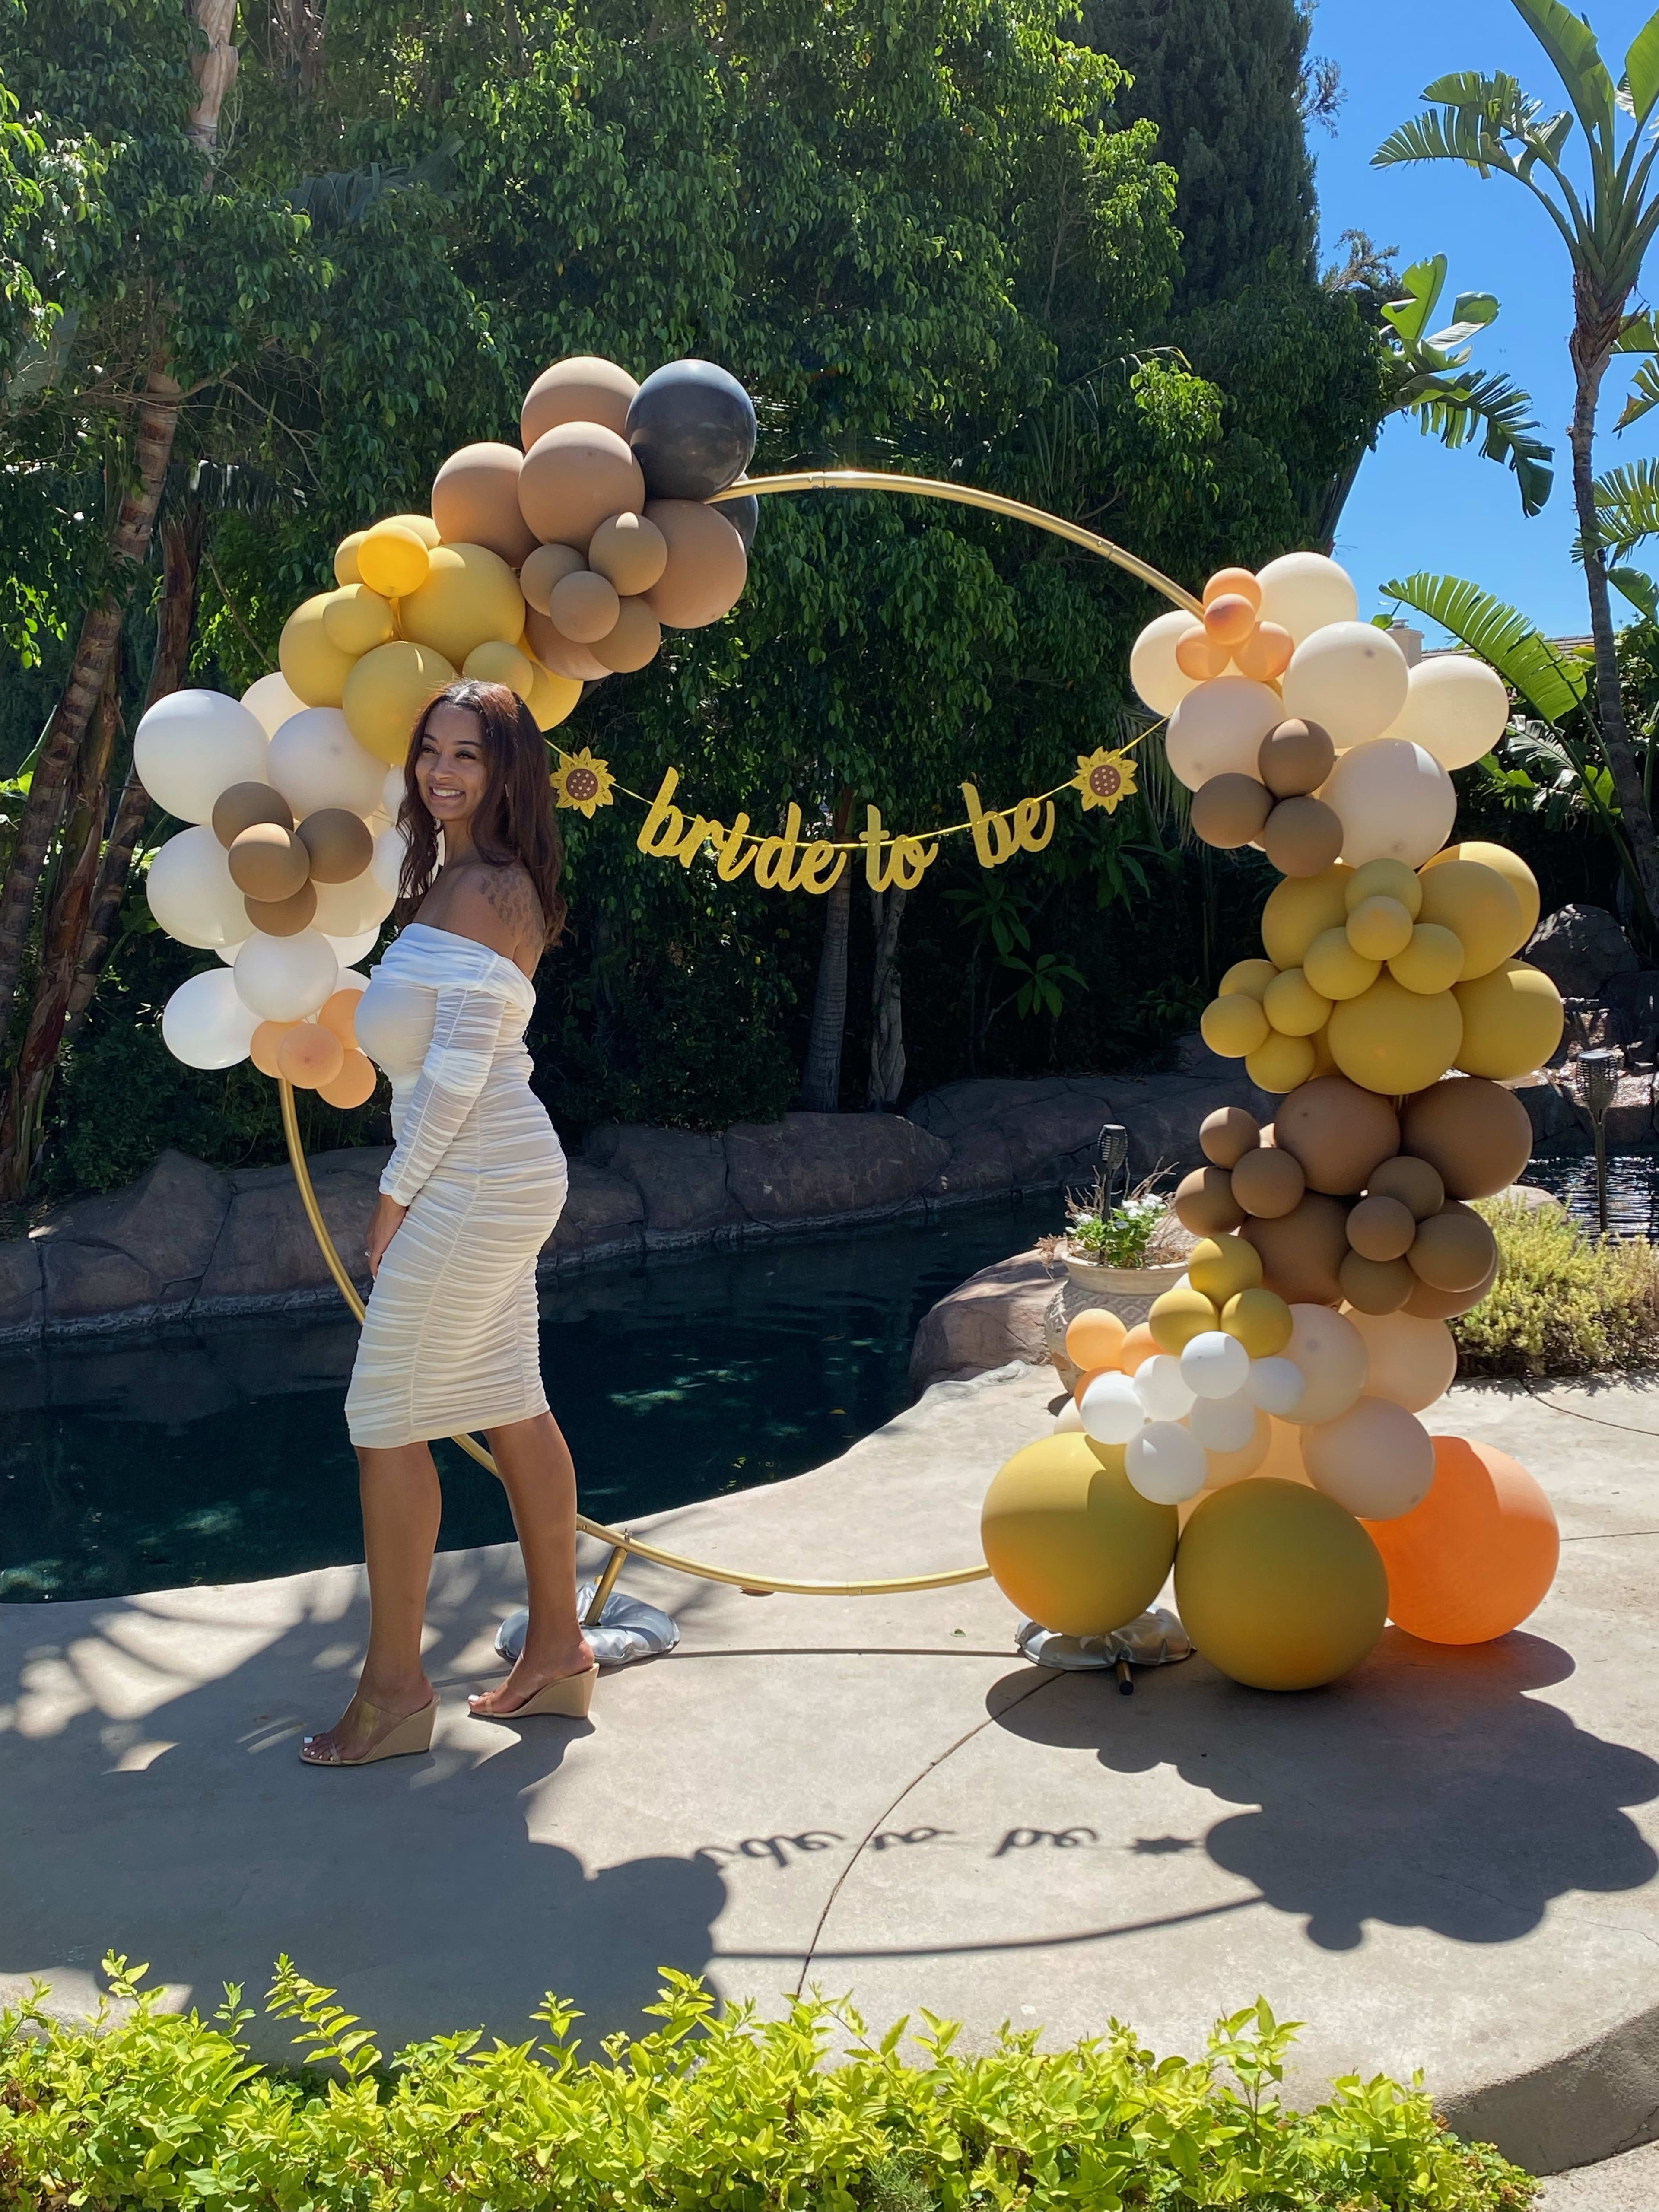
{"x": 272, "y": 703}
{"x": 392, "y": 790}
{"x": 1217, "y": 729}
{"x": 1376, "y": 1458}
{"x": 1152, "y": 669}
{"x": 1165, "y": 1463}
{"x": 205, "y": 1025}
{"x": 1331, "y": 1354}
{"x": 1304, "y": 592}
{"x": 283, "y": 979}
{"x": 1394, "y": 801}
{"x": 1456, "y": 709}
{"x": 349, "y": 908}
{"x": 1225, "y": 1425}
{"x": 191, "y": 896}
{"x": 386, "y": 864}
{"x": 1409, "y": 1360}
{"x": 315, "y": 762}
{"x": 1349, "y": 677}
{"x": 191, "y": 745}
{"x": 348, "y": 948}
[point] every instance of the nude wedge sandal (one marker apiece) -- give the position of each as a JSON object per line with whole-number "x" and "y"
{"x": 568, "y": 1698}
{"x": 404, "y": 1739}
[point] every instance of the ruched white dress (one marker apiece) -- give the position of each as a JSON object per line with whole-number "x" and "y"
{"x": 450, "y": 1341}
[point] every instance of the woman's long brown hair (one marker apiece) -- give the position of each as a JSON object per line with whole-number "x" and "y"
{"x": 515, "y": 820}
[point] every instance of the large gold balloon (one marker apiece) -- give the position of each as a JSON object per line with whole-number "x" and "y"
{"x": 1392, "y": 1040}
{"x": 470, "y": 595}
{"x": 393, "y": 559}
{"x": 386, "y": 692}
{"x": 1512, "y": 1022}
{"x": 314, "y": 667}
{"x": 1070, "y": 1540}
{"x": 1298, "y": 910}
{"x": 1279, "y": 1586}
{"x": 496, "y": 663}
{"x": 1511, "y": 865}
{"x": 357, "y": 619}
{"x": 1481, "y": 908}
{"x": 552, "y": 698}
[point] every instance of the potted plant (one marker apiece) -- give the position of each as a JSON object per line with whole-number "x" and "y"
{"x": 1121, "y": 1254}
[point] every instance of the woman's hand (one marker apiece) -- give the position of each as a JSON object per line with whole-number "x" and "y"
{"x": 384, "y": 1223}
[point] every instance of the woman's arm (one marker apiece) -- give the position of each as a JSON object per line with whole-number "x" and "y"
{"x": 454, "y": 1073}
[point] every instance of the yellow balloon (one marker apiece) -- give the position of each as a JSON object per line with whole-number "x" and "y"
{"x": 1279, "y": 1586}
{"x": 393, "y": 559}
{"x": 386, "y": 692}
{"x": 1249, "y": 979}
{"x": 1220, "y": 1267}
{"x": 1299, "y": 908}
{"x": 1512, "y": 1022}
{"x": 1393, "y": 1040}
{"x": 1384, "y": 879}
{"x": 1180, "y": 1314}
{"x": 1069, "y": 1541}
{"x": 1431, "y": 961}
{"x": 314, "y": 667}
{"x": 1481, "y": 908}
{"x": 496, "y": 663}
{"x": 1281, "y": 1064}
{"x": 1334, "y": 968}
{"x": 1323, "y": 1063}
{"x": 552, "y": 698}
{"x": 422, "y": 526}
{"x": 346, "y": 558}
{"x": 1511, "y": 865}
{"x": 357, "y": 619}
{"x": 1234, "y": 1025}
{"x": 470, "y": 596}
{"x": 1260, "y": 1320}
{"x": 1378, "y": 928}
{"x": 1293, "y": 1006}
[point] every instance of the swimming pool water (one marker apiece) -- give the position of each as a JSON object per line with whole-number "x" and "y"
{"x": 220, "y": 1455}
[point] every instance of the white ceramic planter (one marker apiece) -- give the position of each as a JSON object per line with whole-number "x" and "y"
{"x": 1128, "y": 1292}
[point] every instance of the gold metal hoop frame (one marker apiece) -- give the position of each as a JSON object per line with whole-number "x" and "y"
{"x": 620, "y": 1541}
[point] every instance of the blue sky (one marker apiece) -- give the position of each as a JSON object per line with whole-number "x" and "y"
{"x": 1416, "y": 506}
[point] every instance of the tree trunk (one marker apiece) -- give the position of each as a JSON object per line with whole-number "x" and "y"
{"x": 820, "y": 1089}
{"x": 886, "y": 1007}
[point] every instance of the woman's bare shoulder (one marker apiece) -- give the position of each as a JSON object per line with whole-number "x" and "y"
{"x": 494, "y": 904}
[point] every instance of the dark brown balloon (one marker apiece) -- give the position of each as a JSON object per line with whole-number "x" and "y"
{"x": 1376, "y": 1286}
{"x": 1229, "y": 811}
{"x": 1475, "y": 1134}
{"x": 1427, "y": 1303}
{"x": 475, "y": 501}
{"x": 1268, "y": 1182}
{"x": 1453, "y": 1250}
{"x": 1412, "y": 1181}
{"x": 242, "y": 804}
{"x": 633, "y": 642}
{"x": 1339, "y": 1132}
{"x": 1302, "y": 1251}
{"x": 706, "y": 565}
{"x": 1226, "y": 1136}
{"x": 284, "y": 917}
{"x": 268, "y": 862}
{"x": 1204, "y": 1202}
{"x": 338, "y": 843}
{"x": 1302, "y": 836}
{"x": 1294, "y": 757}
{"x": 1382, "y": 1229}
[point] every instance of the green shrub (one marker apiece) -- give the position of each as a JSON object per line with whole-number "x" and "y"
{"x": 1564, "y": 1303}
{"x": 723, "y": 2114}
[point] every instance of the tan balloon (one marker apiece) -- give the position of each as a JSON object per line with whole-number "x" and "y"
{"x": 706, "y": 565}
{"x": 633, "y": 642}
{"x": 357, "y": 620}
{"x": 475, "y": 501}
{"x": 338, "y": 843}
{"x": 1410, "y": 1360}
{"x": 1475, "y": 1135}
{"x": 559, "y": 655}
{"x": 1338, "y": 1131}
{"x": 1412, "y": 1181}
{"x": 243, "y": 804}
{"x": 547, "y": 566}
{"x": 268, "y": 862}
{"x": 1204, "y": 1202}
{"x": 1302, "y": 836}
{"x": 575, "y": 475}
{"x": 630, "y": 551}
{"x": 584, "y": 607}
{"x": 1331, "y": 1352}
{"x": 1227, "y": 1134}
{"x": 1229, "y": 811}
{"x": 1268, "y": 1183}
{"x": 1302, "y": 1250}
{"x": 585, "y": 388}
{"x": 470, "y": 595}
{"x": 1294, "y": 757}
{"x": 1453, "y": 1250}
{"x": 1428, "y": 1303}
{"x": 1375, "y": 1286}
{"x": 285, "y": 917}
{"x": 1382, "y": 1228}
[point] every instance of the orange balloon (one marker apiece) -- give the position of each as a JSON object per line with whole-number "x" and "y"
{"x": 355, "y": 1084}
{"x": 1137, "y": 1347}
{"x": 1094, "y": 1338}
{"x": 309, "y": 1054}
{"x": 263, "y": 1050}
{"x": 1477, "y": 1556}
{"x": 338, "y": 1014}
{"x": 1089, "y": 1375}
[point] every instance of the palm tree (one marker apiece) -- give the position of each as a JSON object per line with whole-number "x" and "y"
{"x": 1491, "y": 125}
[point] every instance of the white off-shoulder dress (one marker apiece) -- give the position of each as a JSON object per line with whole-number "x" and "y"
{"x": 450, "y": 1341}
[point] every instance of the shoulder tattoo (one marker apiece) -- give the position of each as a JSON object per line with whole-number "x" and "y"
{"x": 510, "y": 892}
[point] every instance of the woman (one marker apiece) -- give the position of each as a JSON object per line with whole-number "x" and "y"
{"x": 468, "y": 1199}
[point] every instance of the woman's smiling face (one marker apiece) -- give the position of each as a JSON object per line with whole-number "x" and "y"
{"x": 451, "y": 773}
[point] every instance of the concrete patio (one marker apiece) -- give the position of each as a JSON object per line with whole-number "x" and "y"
{"x": 1447, "y": 1861}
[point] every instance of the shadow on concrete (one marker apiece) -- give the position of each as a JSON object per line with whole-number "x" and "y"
{"x": 1427, "y": 1789}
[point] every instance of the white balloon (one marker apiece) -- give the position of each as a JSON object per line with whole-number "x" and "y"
{"x": 1214, "y": 1364}
{"x": 191, "y": 745}
{"x": 1331, "y": 1353}
{"x": 348, "y": 948}
{"x": 191, "y": 893}
{"x": 391, "y": 792}
{"x": 205, "y": 1025}
{"x": 1224, "y": 1425}
{"x": 1303, "y": 591}
{"x": 1161, "y": 1388}
{"x": 1224, "y": 1468}
{"x": 1395, "y": 802}
{"x": 1376, "y": 1458}
{"x": 271, "y": 703}
{"x": 386, "y": 864}
{"x": 1112, "y": 1413}
{"x": 1165, "y": 1463}
{"x": 1411, "y": 1360}
{"x": 346, "y": 909}
{"x": 1349, "y": 677}
{"x": 1455, "y": 707}
{"x": 316, "y": 762}
{"x": 1217, "y": 729}
{"x": 1276, "y": 1385}
{"x": 1152, "y": 669}
{"x": 283, "y": 979}
{"x": 1068, "y": 1421}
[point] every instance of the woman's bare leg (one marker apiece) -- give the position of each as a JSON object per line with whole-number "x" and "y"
{"x": 535, "y": 1465}
{"x": 402, "y": 1503}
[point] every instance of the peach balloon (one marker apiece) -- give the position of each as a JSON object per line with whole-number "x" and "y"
{"x": 308, "y": 1055}
{"x": 267, "y": 1038}
{"x": 339, "y": 1014}
{"x": 353, "y": 1086}
{"x": 1477, "y": 1556}
{"x": 1139, "y": 1346}
{"x": 1094, "y": 1338}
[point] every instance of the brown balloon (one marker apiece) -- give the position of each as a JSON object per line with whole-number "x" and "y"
{"x": 475, "y": 501}
{"x": 242, "y": 804}
{"x": 1295, "y": 757}
{"x": 586, "y": 388}
{"x": 560, "y": 654}
{"x": 1427, "y": 1303}
{"x": 338, "y": 843}
{"x": 1382, "y": 1229}
{"x": 583, "y": 606}
{"x": 1268, "y": 1182}
{"x": 1302, "y": 1251}
{"x": 268, "y": 862}
{"x": 1453, "y": 1250}
{"x": 706, "y": 565}
{"x": 574, "y": 476}
{"x": 1302, "y": 836}
{"x": 1411, "y": 1181}
{"x": 1339, "y": 1132}
{"x": 630, "y": 551}
{"x": 1475, "y": 1134}
{"x": 284, "y": 917}
{"x": 1226, "y": 1136}
{"x": 1229, "y": 811}
{"x": 1204, "y": 1202}
{"x": 1376, "y": 1286}
{"x": 547, "y": 567}
{"x": 633, "y": 642}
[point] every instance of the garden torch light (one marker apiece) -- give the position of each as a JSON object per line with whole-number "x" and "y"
{"x": 1598, "y": 1085}
{"x": 1113, "y": 1143}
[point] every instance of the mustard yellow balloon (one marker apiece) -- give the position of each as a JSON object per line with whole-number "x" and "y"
{"x": 1279, "y": 1586}
{"x": 386, "y": 692}
{"x": 314, "y": 667}
{"x": 470, "y": 596}
{"x": 1292, "y": 1006}
{"x": 1378, "y": 928}
{"x": 1512, "y": 1022}
{"x": 1069, "y": 1541}
{"x": 552, "y": 698}
{"x": 1481, "y": 908}
{"x": 393, "y": 559}
{"x": 424, "y": 526}
{"x": 1220, "y": 1267}
{"x": 1431, "y": 961}
{"x": 1511, "y": 865}
{"x": 1335, "y": 969}
{"x": 1248, "y": 979}
{"x": 493, "y": 662}
{"x": 1260, "y": 1320}
{"x": 357, "y": 619}
{"x": 1178, "y": 1315}
{"x": 1299, "y": 908}
{"x": 1393, "y": 1040}
{"x": 1234, "y": 1025}
{"x": 1385, "y": 879}
{"x": 1282, "y": 1063}
{"x": 346, "y": 558}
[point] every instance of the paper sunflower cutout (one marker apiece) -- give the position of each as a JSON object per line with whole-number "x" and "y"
{"x": 1104, "y": 779}
{"x": 583, "y": 782}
